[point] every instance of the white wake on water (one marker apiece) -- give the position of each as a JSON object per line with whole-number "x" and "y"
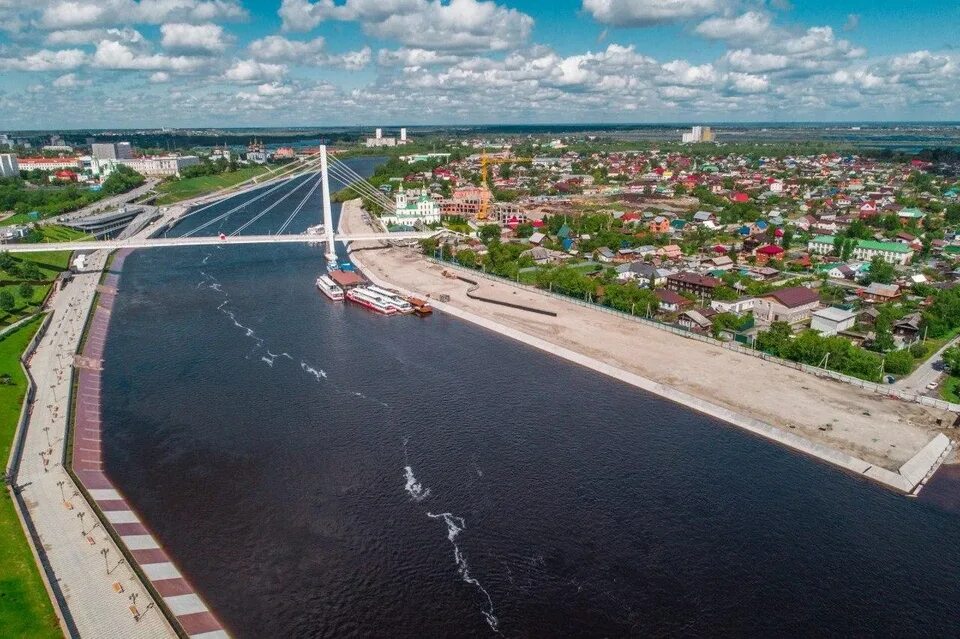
{"x": 456, "y": 525}
{"x": 414, "y": 488}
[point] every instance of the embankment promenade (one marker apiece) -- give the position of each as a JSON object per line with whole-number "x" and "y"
{"x": 106, "y": 574}
{"x": 895, "y": 443}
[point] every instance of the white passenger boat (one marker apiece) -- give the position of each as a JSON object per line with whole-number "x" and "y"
{"x": 365, "y": 297}
{"x": 329, "y": 288}
{"x": 402, "y": 305}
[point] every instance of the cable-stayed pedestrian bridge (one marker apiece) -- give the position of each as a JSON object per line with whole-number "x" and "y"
{"x": 233, "y": 240}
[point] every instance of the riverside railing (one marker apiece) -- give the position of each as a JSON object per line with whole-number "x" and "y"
{"x": 880, "y": 389}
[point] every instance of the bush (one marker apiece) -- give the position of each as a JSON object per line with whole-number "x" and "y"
{"x": 899, "y": 362}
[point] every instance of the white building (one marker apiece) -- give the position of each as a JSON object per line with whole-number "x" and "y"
{"x": 832, "y": 320}
{"x": 8, "y": 165}
{"x": 165, "y": 166}
{"x": 423, "y": 210}
{"x": 698, "y": 134}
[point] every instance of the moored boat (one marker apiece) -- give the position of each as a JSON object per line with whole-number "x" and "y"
{"x": 329, "y": 288}
{"x": 369, "y": 299}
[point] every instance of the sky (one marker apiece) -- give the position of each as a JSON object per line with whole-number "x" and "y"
{"x": 217, "y": 63}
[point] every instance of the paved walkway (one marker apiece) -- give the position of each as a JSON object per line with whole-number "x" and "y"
{"x": 103, "y": 596}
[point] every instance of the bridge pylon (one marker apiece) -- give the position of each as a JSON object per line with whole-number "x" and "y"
{"x": 331, "y": 248}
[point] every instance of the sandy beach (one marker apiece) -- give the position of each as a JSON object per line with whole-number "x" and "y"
{"x": 859, "y": 423}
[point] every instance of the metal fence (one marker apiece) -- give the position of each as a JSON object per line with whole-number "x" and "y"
{"x": 880, "y": 389}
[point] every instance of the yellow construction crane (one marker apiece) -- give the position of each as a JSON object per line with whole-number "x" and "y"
{"x": 485, "y": 194}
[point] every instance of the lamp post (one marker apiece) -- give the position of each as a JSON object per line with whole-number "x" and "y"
{"x": 106, "y": 564}
{"x": 80, "y": 516}
{"x": 60, "y": 485}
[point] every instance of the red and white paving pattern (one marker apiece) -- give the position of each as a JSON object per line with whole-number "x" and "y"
{"x": 191, "y": 612}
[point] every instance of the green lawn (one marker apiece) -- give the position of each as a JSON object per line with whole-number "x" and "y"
{"x": 176, "y": 190}
{"x": 25, "y": 608}
{"x": 56, "y": 233}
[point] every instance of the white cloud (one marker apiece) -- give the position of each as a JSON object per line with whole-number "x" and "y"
{"x": 89, "y": 36}
{"x": 748, "y": 83}
{"x": 459, "y": 25}
{"x": 280, "y": 49}
{"x": 752, "y": 25}
{"x": 47, "y": 60}
{"x": 116, "y": 55}
{"x": 406, "y": 57}
{"x": 159, "y": 77}
{"x": 193, "y": 38}
{"x": 252, "y": 71}
{"x": 307, "y": 53}
{"x": 68, "y": 14}
{"x": 748, "y": 61}
{"x": 852, "y": 23}
{"x": 643, "y": 13}
{"x": 69, "y": 81}
{"x": 683, "y": 73}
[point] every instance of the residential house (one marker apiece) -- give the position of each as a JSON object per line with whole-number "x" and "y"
{"x": 695, "y": 321}
{"x": 792, "y": 305}
{"x": 907, "y": 330}
{"x": 737, "y": 307}
{"x": 878, "y": 293}
{"x": 659, "y": 224}
{"x": 605, "y": 255}
{"x": 866, "y": 250}
{"x": 672, "y": 302}
{"x": 687, "y": 282}
{"x": 832, "y": 320}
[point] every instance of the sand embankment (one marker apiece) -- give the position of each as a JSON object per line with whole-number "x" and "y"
{"x": 845, "y": 425}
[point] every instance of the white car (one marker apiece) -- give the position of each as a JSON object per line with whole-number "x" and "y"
{"x": 932, "y": 386}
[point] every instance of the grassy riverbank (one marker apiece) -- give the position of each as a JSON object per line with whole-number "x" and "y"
{"x": 186, "y": 188}
{"x": 25, "y": 608}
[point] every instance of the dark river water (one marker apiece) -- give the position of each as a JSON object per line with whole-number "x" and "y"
{"x": 320, "y": 471}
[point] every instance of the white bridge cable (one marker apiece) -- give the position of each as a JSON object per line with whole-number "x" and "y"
{"x": 359, "y": 182}
{"x": 357, "y": 189}
{"x": 284, "y": 175}
{"x": 271, "y": 207}
{"x": 360, "y": 186}
{"x": 286, "y": 223}
{"x": 235, "y": 209}
{"x": 378, "y": 195}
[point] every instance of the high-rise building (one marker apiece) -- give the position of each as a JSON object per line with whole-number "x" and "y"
{"x": 379, "y": 133}
{"x": 8, "y": 165}
{"x": 698, "y": 134}
{"x": 124, "y": 150}
{"x": 403, "y": 135}
{"x": 111, "y": 151}
{"x": 103, "y": 151}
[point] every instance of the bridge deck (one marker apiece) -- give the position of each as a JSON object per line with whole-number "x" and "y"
{"x": 163, "y": 242}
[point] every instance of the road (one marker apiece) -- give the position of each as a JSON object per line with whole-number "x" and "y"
{"x": 927, "y": 373}
{"x": 105, "y": 205}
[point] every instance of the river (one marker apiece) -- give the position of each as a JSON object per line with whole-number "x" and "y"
{"x": 320, "y": 471}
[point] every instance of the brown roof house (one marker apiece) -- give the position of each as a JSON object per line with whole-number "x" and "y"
{"x": 791, "y": 305}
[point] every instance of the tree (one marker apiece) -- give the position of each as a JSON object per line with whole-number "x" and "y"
{"x": 489, "y": 232}
{"x": 30, "y": 271}
{"x": 25, "y": 291}
{"x": 467, "y": 257}
{"x": 881, "y": 271}
{"x": 7, "y": 301}
{"x": 787, "y": 239}
{"x": 951, "y": 359}
{"x": 899, "y": 362}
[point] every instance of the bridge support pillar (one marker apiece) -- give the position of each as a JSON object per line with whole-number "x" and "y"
{"x": 328, "y": 230}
